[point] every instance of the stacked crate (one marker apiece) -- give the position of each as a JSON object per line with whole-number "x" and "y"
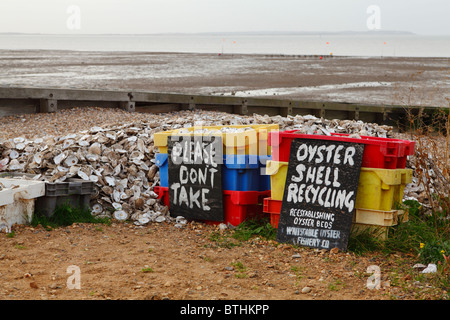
{"x": 244, "y": 182}
{"x": 382, "y": 180}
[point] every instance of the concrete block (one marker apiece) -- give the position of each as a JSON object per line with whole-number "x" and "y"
{"x": 17, "y": 201}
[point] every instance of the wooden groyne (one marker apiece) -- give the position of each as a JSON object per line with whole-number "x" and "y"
{"x": 20, "y": 100}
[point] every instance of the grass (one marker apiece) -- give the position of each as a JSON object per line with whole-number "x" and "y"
{"x": 11, "y": 234}
{"x": 241, "y": 269}
{"x": 336, "y": 285}
{"x": 243, "y": 232}
{"x": 147, "y": 270}
{"x": 423, "y": 235}
{"x": 298, "y": 274}
{"x": 66, "y": 215}
{"x": 223, "y": 240}
{"x": 363, "y": 242}
{"x": 255, "y": 227}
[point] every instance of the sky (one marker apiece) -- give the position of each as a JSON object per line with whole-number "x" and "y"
{"x": 423, "y": 17}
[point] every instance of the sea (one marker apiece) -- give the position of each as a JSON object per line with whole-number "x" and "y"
{"x": 372, "y": 45}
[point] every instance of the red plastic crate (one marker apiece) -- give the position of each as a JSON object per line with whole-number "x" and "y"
{"x": 382, "y": 153}
{"x": 243, "y": 205}
{"x": 273, "y": 207}
{"x": 163, "y": 193}
{"x": 238, "y": 205}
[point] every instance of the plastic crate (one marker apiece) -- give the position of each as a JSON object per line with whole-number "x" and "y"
{"x": 272, "y": 207}
{"x": 264, "y": 178}
{"x": 379, "y": 232}
{"x": 160, "y": 140}
{"x": 378, "y": 217}
{"x": 405, "y": 148}
{"x": 240, "y": 206}
{"x": 239, "y": 172}
{"x": 245, "y": 173}
{"x": 277, "y": 172}
{"x": 381, "y": 189}
{"x": 252, "y": 142}
{"x": 74, "y": 192}
{"x": 163, "y": 194}
{"x": 162, "y": 163}
{"x": 378, "y": 152}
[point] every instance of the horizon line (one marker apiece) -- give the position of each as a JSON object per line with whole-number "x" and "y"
{"x": 372, "y": 32}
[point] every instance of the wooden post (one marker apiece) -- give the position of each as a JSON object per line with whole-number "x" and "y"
{"x": 354, "y": 115}
{"x": 128, "y": 106}
{"x": 286, "y": 111}
{"x": 191, "y": 104}
{"x": 48, "y": 105}
{"x": 382, "y": 116}
{"x": 322, "y": 111}
{"x": 242, "y": 109}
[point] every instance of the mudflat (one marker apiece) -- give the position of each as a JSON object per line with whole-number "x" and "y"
{"x": 374, "y": 80}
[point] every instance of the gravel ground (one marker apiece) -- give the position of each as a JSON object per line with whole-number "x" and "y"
{"x": 66, "y": 121}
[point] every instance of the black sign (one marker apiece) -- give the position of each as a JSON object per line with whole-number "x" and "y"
{"x": 195, "y": 177}
{"x": 320, "y": 193}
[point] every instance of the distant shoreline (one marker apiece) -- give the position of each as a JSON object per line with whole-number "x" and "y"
{"x": 229, "y": 55}
{"x": 288, "y": 44}
{"x": 242, "y": 33}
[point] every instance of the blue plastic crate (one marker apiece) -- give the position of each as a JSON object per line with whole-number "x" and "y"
{"x": 163, "y": 164}
{"x": 239, "y": 172}
{"x": 244, "y": 173}
{"x": 264, "y": 178}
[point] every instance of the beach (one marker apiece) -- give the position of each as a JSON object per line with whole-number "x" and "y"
{"x": 419, "y": 81}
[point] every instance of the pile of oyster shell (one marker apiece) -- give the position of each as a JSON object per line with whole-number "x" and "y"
{"x": 120, "y": 159}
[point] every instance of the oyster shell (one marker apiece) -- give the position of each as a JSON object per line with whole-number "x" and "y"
{"x": 120, "y": 215}
{"x": 71, "y": 161}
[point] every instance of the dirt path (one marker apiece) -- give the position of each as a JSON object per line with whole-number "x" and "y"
{"x": 162, "y": 262}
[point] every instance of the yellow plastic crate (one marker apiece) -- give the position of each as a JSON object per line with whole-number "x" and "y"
{"x": 376, "y": 222}
{"x": 381, "y": 189}
{"x": 378, "y": 217}
{"x": 248, "y": 143}
{"x": 278, "y": 173}
{"x": 160, "y": 140}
